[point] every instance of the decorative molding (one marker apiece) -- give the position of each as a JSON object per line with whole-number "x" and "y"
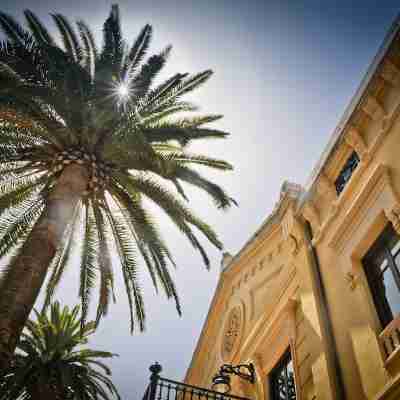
{"x": 354, "y": 139}
{"x": 390, "y": 73}
{"x": 311, "y": 214}
{"x": 266, "y": 320}
{"x": 277, "y": 336}
{"x": 253, "y": 292}
{"x": 287, "y": 223}
{"x": 337, "y": 160}
{"x": 232, "y": 332}
{"x": 393, "y": 215}
{"x": 271, "y": 274}
{"x": 352, "y": 279}
{"x": 377, "y": 183}
{"x": 278, "y": 249}
{"x": 293, "y": 244}
{"x": 387, "y": 124}
{"x": 267, "y": 262}
{"x": 326, "y": 187}
{"x": 373, "y": 108}
{"x": 291, "y": 233}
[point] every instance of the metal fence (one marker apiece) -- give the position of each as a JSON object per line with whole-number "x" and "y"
{"x": 166, "y": 389}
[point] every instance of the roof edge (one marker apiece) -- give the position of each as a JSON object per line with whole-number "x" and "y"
{"x": 354, "y": 102}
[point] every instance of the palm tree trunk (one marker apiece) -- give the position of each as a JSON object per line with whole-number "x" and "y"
{"x": 21, "y": 283}
{"x": 44, "y": 392}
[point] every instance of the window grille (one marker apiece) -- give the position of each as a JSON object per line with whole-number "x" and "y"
{"x": 282, "y": 379}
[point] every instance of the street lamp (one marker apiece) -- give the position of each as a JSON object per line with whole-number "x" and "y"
{"x": 221, "y": 382}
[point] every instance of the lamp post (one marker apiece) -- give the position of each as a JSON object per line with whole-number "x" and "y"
{"x": 221, "y": 382}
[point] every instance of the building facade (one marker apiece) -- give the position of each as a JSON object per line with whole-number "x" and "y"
{"x": 312, "y": 299}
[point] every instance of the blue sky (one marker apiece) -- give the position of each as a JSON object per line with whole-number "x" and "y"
{"x": 284, "y": 73}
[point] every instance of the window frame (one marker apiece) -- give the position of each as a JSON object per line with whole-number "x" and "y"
{"x": 351, "y": 164}
{"x": 282, "y": 363}
{"x": 373, "y": 272}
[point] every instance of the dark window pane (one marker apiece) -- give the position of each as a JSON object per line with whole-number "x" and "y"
{"x": 346, "y": 172}
{"x": 392, "y": 293}
{"x": 282, "y": 380}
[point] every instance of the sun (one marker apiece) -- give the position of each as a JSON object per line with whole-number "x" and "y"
{"x": 123, "y": 90}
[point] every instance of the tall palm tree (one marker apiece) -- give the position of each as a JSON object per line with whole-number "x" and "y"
{"x": 52, "y": 362}
{"x": 85, "y": 138}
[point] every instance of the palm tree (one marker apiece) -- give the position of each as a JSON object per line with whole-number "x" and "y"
{"x": 85, "y": 139}
{"x": 51, "y": 362}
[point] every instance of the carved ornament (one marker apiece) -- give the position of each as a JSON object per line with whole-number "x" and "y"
{"x": 390, "y": 73}
{"x": 356, "y": 142}
{"x": 373, "y": 108}
{"x": 231, "y": 333}
{"x": 311, "y": 214}
{"x": 352, "y": 280}
{"x": 394, "y": 217}
{"x": 326, "y": 187}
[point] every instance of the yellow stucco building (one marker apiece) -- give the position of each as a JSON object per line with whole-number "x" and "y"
{"x": 313, "y": 298}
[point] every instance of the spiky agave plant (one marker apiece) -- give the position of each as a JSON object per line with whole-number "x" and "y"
{"x": 53, "y": 362}
{"x": 84, "y": 139}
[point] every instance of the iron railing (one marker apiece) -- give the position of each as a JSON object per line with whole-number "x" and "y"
{"x": 161, "y": 388}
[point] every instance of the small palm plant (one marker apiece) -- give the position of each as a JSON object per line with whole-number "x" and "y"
{"x": 85, "y": 138}
{"x": 51, "y": 361}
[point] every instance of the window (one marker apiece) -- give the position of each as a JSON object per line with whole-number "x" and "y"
{"x": 382, "y": 268}
{"x": 346, "y": 172}
{"x": 282, "y": 380}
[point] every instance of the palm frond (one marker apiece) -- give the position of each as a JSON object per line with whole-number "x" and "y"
{"x": 12, "y": 29}
{"x": 167, "y": 132}
{"x": 113, "y": 48}
{"x": 183, "y": 157}
{"x": 68, "y": 36}
{"x": 178, "y": 213}
{"x": 89, "y": 48}
{"x": 38, "y": 30}
{"x": 152, "y": 247}
{"x": 143, "y": 80}
{"x": 106, "y": 288}
{"x": 127, "y": 257}
{"x": 137, "y": 51}
{"x": 86, "y": 31}
{"x": 89, "y": 259}
{"x": 52, "y": 355}
{"x": 221, "y": 198}
{"x": 62, "y": 256}
{"x": 15, "y": 228}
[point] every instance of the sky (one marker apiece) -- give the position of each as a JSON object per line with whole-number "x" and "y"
{"x": 284, "y": 72}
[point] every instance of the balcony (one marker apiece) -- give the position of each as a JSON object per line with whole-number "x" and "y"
{"x": 378, "y": 360}
{"x": 161, "y": 388}
{"x": 390, "y": 340}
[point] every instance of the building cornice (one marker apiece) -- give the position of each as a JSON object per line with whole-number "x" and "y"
{"x": 290, "y": 192}
{"x": 358, "y": 98}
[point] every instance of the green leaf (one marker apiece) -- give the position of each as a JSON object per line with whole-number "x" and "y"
{"x": 89, "y": 260}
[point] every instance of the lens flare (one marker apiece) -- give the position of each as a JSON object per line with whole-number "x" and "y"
{"x": 123, "y": 91}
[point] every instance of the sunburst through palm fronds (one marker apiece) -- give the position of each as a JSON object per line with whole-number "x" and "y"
{"x": 74, "y": 107}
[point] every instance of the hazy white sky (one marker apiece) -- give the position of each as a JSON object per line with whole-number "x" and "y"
{"x": 284, "y": 72}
